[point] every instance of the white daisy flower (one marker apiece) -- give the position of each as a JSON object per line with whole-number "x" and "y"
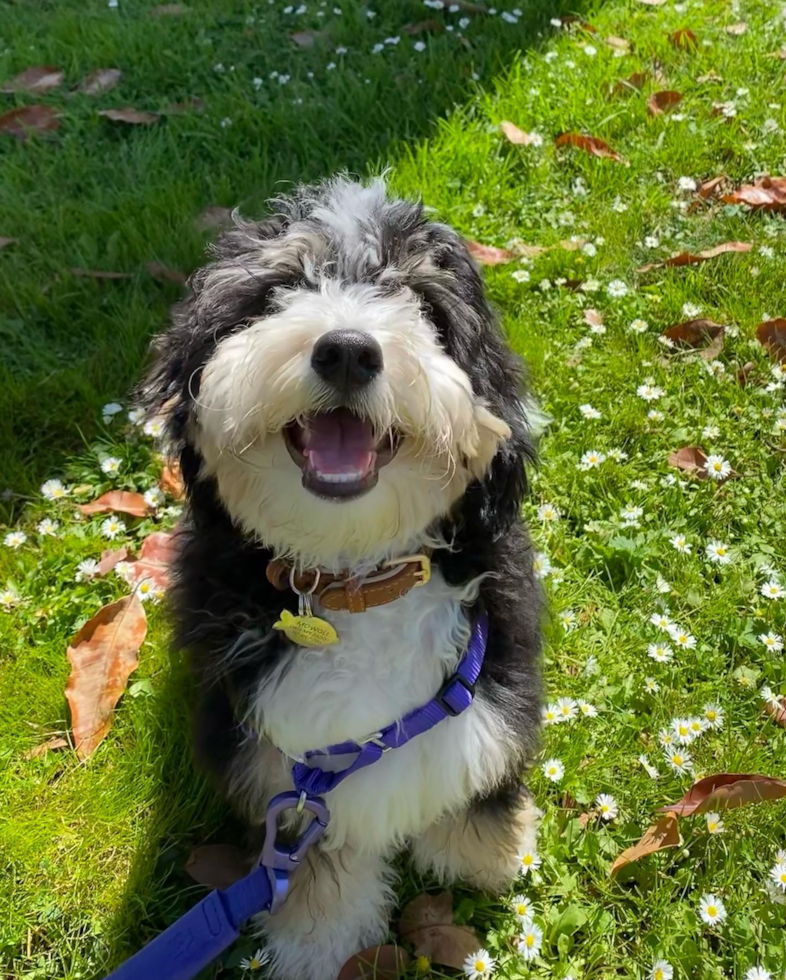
{"x": 686, "y": 184}
{"x": 757, "y": 973}
{"x": 550, "y": 714}
{"x": 697, "y": 726}
{"x": 112, "y": 526}
{"x": 607, "y": 806}
{"x": 154, "y": 427}
{"x": 661, "y": 970}
{"x": 86, "y": 570}
{"x": 530, "y": 941}
{"x": 54, "y": 490}
{"x": 717, "y": 468}
{"x": 718, "y": 553}
{"x": 109, "y": 411}
{"x": 712, "y": 910}
{"x": 136, "y": 416}
{"x": 48, "y": 527}
{"x": 617, "y": 288}
{"x": 255, "y": 962}
{"x": 111, "y": 465}
{"x": 8, "y": 598}
{"x": 520, "y": 275}
{"x": 548, "y": 513}
{"x": 690, "y": 310}
{"x": 651, "y": 771}
{"x": 772, "y": 641}
{"x": 630, "y": 513}
{"x": 591, "y": 460}
{"x": 713, "y": 716}
{"x": 778, "y": 875}
{"x": 522, "y": 907}
{"x": 682, "y": 638}
{"x": 650, "y": 392}
{"x": 589, "y": 412}
{"x": 479, "y": 964}
{"x": 655, "y": 416}
{"x": 666, "y": 738}
{"x": 662, "y": 621}
{"x": 681, "y": 544}
{"x": 14, "y": 539}
{"x": 682, "y": 731}
{"x": 553, "y": 770}
{"x": 772, "y": 590}
{"x": 662, "y": 585}
{"x": 710, "y": 432}
{"x": 619, "y": 205}
{"x": 145, "y": 590}
{"x": 638, "y": 326}
{"x": 586, "y": 709}
{"x": 541, "y": 564}
{"x": 651, "y": 686}
{"x": 661, "y": 653}
{"x": 154, "y": 497}
{"x": 680, "y": 760}
{"x": 568, "y": 619}
{"x": 529, "y": 861}
{"x": 617, "y": 455}
{"x": 566, "y": 709}
{"x": 714, "y": 823}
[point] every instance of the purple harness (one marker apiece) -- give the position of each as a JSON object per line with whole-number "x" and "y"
{"x": 206, "y": 930}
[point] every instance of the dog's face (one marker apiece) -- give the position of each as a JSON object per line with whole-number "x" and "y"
{"x": 334, "y": 371}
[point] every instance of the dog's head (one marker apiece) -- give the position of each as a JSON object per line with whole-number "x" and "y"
{"x": 337, "y": 371}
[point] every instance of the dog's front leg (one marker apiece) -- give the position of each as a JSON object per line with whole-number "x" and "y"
{"x": 481, "y": 845}
{"x": 338, "y": 904}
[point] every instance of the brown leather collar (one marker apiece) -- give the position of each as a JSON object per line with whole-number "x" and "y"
{"x": 391, "y": 581}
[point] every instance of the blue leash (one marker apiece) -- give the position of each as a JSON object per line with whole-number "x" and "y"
{"x": 206, "y": 930}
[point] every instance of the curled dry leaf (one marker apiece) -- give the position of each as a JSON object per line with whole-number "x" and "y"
{"x": 118, "y": 502}
{"x": 703, "y": 335}
{"x": 31, "y": 118}
{"x": 516, "y": 135}
{"x": 426, "y": 910}
{"x": 424, "y": 27}
{"x": 767, "y": 193}
{"x": 690, "y": 258}
{"x": 217, "y": 865}
{"x": 660, "y": 102}
{"x": 213, "y": 218}
{"x": 99, "y": 81}
{"x": 488, "y": 254}
{"x": 590, "y": 144}
{"x": 99, "y": 274}
{"x": 620, "y": 43}
{"x": 446, "y": 944}
{"x": 171, "y": 481}
{"x": 744, "y": 373}
{"x": 633, "y": 83}
{"x": 131, "y": 117}
{"x": 109, "y": 559}
{"x": 691, "y": 459}
{"x": 103, "y": 655}
{"x": 50, "y": 745}
{"x": 660, "y": 836}
{"x": 38, "y": 79}
{"x": 163, "y": 273}
{"x": 685, "y": 39}
{"x": 5, "y": 242}
{"x": 725, "y": 791}
{"x": 772, "y": 335}
{"x": 737, "y": 30}
{"x": 155, "y": 560}
{"x": 778, "y": 714}
{"x": 710, "y": 188}
{"x": 375, "y": 963}
{"x": 593, "y": 317}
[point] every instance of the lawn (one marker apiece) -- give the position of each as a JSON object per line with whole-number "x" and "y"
{"x": 94, "y": 852}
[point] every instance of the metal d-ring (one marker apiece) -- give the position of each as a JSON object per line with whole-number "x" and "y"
{"x": 304, "y": 598}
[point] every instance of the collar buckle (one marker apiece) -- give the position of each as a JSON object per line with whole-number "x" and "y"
{"x": 423, "y": 575}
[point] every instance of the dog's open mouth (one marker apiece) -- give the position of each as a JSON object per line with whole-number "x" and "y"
{"x": 338, "y": 453}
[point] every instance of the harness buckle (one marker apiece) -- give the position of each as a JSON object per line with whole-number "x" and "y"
{"x": 448, "y": 708}
{"x": 424, "y": 575}
{"x": 280, "y": 860}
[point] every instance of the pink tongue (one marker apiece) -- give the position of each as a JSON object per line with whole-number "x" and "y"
{"x": 339, "y": 442}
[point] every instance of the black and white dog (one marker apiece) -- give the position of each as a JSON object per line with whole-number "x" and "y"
{"x": 340, "y": 396}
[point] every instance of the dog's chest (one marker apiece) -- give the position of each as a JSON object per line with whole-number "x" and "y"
{"x": 389, "y": 660}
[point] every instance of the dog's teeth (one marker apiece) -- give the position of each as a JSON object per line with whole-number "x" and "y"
{"x": 339, "y": 477}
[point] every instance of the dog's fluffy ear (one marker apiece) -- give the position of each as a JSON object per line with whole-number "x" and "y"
{"x": 467, "y": 326}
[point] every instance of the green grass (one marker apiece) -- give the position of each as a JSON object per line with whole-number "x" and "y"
{"x": 94, "y": 853}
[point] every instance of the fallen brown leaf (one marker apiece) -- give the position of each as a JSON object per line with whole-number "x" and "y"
{"x": 778, "y": 715}
{"x": 213, "y": 218}
{"x": 660, "y": 836}
{"x": 103, "y": 655}
{"x": 593, "y": 317}
{"x": 772, "y": 335}
{"x": 689, "y": 258}
{"x": 45, "y": 748}
{"x": 132, "y": 117}
{"x": 584, "y": 819}
{"x": 516, "y": 135}
{"x": 727, "y": 790}
{"x": 620, "y": 43}
{"x": 305, "y": 39}
{"x": 118, "y": 502}
{"x": 99, "y": 274}
{"x": 110, "y": 558}
{"x": 99, "y": 81}
{"x": 767, "y": 193}
{"x": 155, "y": 559}
{"x": 375, "y": 963}
{"x": 704, "y": 335}
{"x": 488, "y": 254}
{"x": 40, "y": 78}
{"x": 217, "y": 865}
{"x": 171, "y": 481}
{"x": 691, "y": 459}
{"x": 736, "y": 30}
{"x": 660, "y": 102}
{"x": 530, "y": 251}
{"x": 709, "y": 188}
{"x": 685, "y": 39}
{"x": 745, "y": 372}
{"x": 633, "y": 83}
{"x": 163, "y": 273}
{"x": 424, "y": 27}
{"x": 446, "y": 944}
{"x": 5, "y": 242}
{"x": 31, "y": 118}
{"x": 426, "y": 910}
{"x": 711, "y": 76}
{"x": 590, "y": 144}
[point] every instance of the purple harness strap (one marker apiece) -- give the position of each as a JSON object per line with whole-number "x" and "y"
{"x": 206, "y": 930}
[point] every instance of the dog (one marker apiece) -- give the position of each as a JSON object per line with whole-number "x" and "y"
{"x": 345, "y": 409}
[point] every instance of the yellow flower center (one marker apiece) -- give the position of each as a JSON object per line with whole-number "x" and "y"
{"x": 254, "y": 963}
{"x": 530, "y": 940}
{"x": 716, "y": 467}
{"x": 782, "y": 877}
{"x": 720, "y": 551}
{"x": 521, "y": 909}
{"x": 677, "y": 760}
{"x": 480, "y": 966}
{"x": 712, "y": 911}
{"x": 711, "y": 715}
{"x": 658, "y": 975}
{"x": 713, "y": 825}
{"x": 527, "y": 859}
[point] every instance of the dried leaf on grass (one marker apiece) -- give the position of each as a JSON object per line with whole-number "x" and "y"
{"x": 593, "y": 317}
{"x": 5, "y": 242}
{"x": 767, "y": 193}
{"x": 31, "y": 118}
{"x": 701, "y": 334}
{"x": 103, "y": 655}
{"x": 772, "y": 335}
{"x": 426, "y": 910}
{"x": 725, "y": 791}
{"x": 171, "y": 480}
{"x": 633, "y": 83}
{"x": 99, "y": 81}
{"x": 660, "y": 836}
{"x": 516, "y": 135}
{"x": 691, "y": 258}
{"x": 660, "y": 102}
{"x": 619, "y": 43}
{"x": 427, "y": 923}
{"x": 217, "y": 865}
{"x": 685, "y": 39}
{"x": 691, "y": 459}
{"x": 99, "y": 274}
{"x": 155, "y": 560}
{"x": 737, "y": 30}
{"x": 375, "y": 963}
{"x": 50, "y": 745}
{"x": 131, "y": 117}
{"x": 110, "y": 558}
{"x": 38, "y": 79}
{"x": 590, "y": 144}
{"x": 711, "y": 187}
{"x": 118, "y": 502}
{"x": 488, "y": 254}
{"x": 306, "y": 39}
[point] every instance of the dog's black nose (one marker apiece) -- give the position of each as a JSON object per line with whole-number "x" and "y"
{"x": 347, "y": 358}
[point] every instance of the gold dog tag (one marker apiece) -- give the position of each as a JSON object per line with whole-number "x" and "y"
{"x": 306, "y": 631}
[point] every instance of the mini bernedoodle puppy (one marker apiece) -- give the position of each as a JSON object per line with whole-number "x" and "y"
{"x": 340, "y": 396}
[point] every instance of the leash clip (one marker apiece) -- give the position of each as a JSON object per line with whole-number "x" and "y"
{"x": 280, "y": 860}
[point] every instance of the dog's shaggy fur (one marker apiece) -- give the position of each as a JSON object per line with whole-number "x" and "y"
{"x": 235, "y": 376}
